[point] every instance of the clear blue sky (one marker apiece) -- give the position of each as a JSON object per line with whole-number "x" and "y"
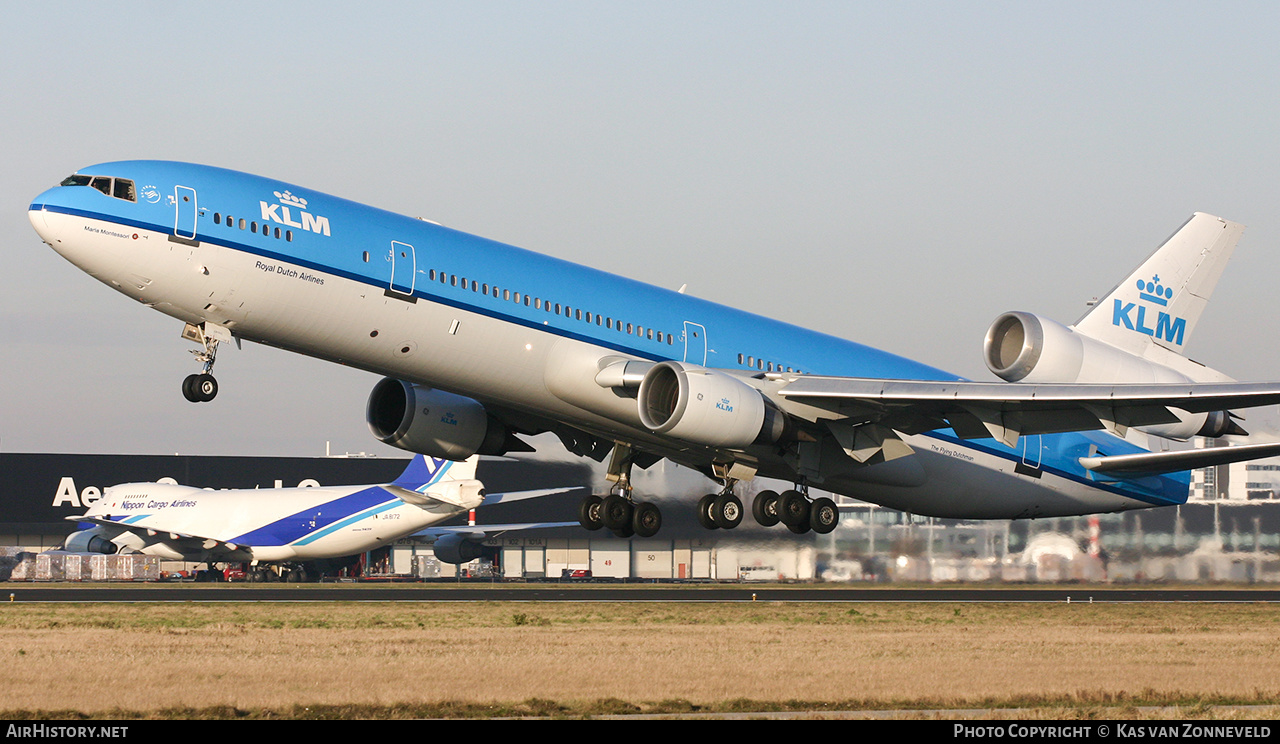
{"x": 897, "y": 173}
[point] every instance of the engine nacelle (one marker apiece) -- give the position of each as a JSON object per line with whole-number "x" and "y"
{"x": 431, "y": 422}
{"x": 89, "y": 541}
{"x": 456, "y": 549}
{"x": 1024, "y": 347}
{"x": 707, "y": 407}
{"x": 466, "y": 494}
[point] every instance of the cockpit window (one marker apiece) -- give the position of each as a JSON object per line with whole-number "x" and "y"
{"x": 120, "y": 188}
{"x": 123, "y": 189}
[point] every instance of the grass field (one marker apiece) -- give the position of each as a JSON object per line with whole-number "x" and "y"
{"x": 577, "y": 659}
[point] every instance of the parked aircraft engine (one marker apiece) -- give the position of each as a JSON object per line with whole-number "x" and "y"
{"x": 432, "y": 422}
{"x": 455, "y": 548}
{"x": 707, "y": 407}
{"x": 89, "y": 541}
{"x": 1024, "y": 347}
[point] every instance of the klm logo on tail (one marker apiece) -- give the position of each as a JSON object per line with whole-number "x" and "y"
{"x": 1167, "y": 327}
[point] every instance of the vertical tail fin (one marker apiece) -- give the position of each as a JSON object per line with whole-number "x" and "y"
{"x": 424, "y": 472}
{"x": 1160, "y": 303}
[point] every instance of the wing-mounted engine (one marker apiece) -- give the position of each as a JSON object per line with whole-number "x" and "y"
{"x": 1024, "y": 347}
{"x": 707, "y": 407}
{"x": 457, "y": 548}
{"x": 432, "y": 422}
{"x": 93, "y": 540}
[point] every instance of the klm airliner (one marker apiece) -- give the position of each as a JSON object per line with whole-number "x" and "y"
{"x": 482, "y": 343}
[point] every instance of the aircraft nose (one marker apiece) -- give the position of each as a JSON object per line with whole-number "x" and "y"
{"x": 38, "y": 216}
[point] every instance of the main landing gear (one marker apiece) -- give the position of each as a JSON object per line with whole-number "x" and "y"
{"x": 794, "y": 509}
{"x": 720, "y": 511}
{"x": 202, "y": 388}
{"x": 617, "y": 510}
{"x": 622, "y": 515}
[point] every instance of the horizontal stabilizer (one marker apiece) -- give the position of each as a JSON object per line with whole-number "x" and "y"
{"x": 1169, "y": 462}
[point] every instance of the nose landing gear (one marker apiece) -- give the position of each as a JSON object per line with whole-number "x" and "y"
{"x": 202, "y": 388}
{"x": 199, "y": 388}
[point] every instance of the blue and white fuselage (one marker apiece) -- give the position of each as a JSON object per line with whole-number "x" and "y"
{"x": 542, "y": 344}
{"x": 288, "y": 524}
{"x": 285, "y": 524}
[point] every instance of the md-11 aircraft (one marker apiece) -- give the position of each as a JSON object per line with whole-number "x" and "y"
{"x": 482, "y": 343}
{"x": 294, "y": 527}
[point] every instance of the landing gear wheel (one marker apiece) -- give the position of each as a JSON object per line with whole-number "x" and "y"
{"x": 590, "y": 513}
{"x": 199, "y": 388}
{"x": 705, "y": 505}
{"x": 616, "y": 513}
{"x": 726, "y": 511}
{"x": 765, "y": 508}
{"x": 824, "y": 515}
{"x": 646, "y": 520}
{"x": 801, "y": 528}
{"x": 793, "y": 509}
{"x": 206, "y": 387}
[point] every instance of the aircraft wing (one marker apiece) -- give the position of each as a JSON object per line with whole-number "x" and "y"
{"x": 1005, "y": 411}
{"x": 505, "y": 498}
{"x": 182, "y": 542}
{"x": 486, "y": 531}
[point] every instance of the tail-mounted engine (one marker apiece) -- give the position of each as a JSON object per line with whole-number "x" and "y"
{"x": 432, "y": 422}
{"x": 707, "y": 407}
{"x": 1024, "y": 347}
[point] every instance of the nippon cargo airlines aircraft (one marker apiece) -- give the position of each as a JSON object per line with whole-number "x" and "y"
{"x": 296, "y": 525}
{"x": 481, "y": 343}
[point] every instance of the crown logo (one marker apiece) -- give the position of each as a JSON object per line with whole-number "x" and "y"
{"x": 1153, "y": 292}
{"x": 290, "y": 200}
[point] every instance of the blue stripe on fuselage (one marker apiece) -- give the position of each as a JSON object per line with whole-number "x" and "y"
{"x": 302, "y": 526}
{"x": 357, "y": 228}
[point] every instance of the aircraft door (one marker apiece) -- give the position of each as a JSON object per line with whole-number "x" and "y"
{"x": 404, "y": 267}
{"x": 185, "y": 212}
{"x": 1031, "y": 451}
{"x": 695, "y": 343}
